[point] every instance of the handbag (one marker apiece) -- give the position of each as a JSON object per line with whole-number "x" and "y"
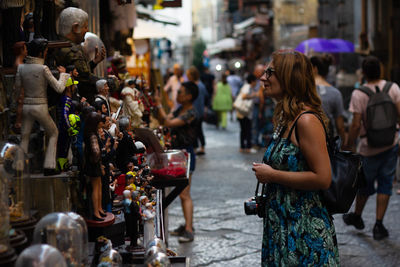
{"x": 347, "y": 175}
{"x": 210, "y": 116}
{"x": 243, "y": 105}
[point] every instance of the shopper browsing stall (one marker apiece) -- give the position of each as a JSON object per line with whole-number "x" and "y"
{"x": 183, "y": 123}
{"x": 296, "y": 168}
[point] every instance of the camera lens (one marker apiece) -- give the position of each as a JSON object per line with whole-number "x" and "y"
{"x": 250, "y": 207}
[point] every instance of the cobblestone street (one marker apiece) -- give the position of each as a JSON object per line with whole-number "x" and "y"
{"x": 225, "y": 236}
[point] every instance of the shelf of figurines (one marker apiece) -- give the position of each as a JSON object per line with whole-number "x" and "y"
{"x": 36, "y": 217}
{"x": 67, "y": 239}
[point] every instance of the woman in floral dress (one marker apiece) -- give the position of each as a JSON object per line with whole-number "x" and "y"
{"x": 298, "y": 230}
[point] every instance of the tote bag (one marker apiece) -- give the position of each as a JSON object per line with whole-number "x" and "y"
{"x": 347, "y": 175}
{"x": 243, "y": 105}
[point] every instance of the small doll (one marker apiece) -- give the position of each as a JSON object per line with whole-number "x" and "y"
{"x": 131, "y": 214}
{"x": 148, "y": 218}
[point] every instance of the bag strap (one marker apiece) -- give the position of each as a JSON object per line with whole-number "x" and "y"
{"x": 387, "y": 87}
{"x": 295, "y": 125}
{"x": 365, "y": 90}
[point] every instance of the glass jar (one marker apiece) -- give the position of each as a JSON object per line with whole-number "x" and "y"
{"x": 169, "y": 164}
{"x": 15, "y": 169}
{"x": 64, "y": 233}
{"x": 40, "y": 255}
{"x": 14, "y": 196}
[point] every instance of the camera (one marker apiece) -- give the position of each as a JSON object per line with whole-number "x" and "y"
{"x": 255, "y": 206}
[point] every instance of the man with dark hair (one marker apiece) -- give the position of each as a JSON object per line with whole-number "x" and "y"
{"x": 33, "y": 77}
{"x": 379, "y": 162}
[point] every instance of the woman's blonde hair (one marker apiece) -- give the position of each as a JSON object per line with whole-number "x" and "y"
{"x": 295, "y": 75}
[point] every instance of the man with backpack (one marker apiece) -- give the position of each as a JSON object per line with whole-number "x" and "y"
{"x": 376, "y": 110}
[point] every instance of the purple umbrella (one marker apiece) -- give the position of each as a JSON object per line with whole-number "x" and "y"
{"x": 325, "y": 46}
{"x": 342, "y": 46}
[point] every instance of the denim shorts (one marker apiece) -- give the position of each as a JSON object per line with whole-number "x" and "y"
{"x": 190, "y": 150}
{"x": 380, "y": 168}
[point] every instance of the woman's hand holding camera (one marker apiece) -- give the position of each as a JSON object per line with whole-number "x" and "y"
{"x": 263, "y": 172}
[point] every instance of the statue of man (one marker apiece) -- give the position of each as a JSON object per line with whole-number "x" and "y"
{"x": 33, "y": 78}
{"x": 72, "y": 27}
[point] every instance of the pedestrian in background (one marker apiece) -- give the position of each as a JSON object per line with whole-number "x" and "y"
{"x": 193, "y": 75}
{"x": 332, "y": 99}
{"x": 222, "y": 101}
{"x": 236, "y": 83}
{"x": 172, "y": 86}
{"x": 379, "y": 162}
{"x": 298, "y": 229}
{"x": 256, "y": 117}
{"x": 247, "y": 92}
{"x": 208, "y": 80}
{"x": 183, "y": 123}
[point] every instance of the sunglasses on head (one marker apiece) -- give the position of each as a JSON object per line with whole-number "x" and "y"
{"x": 268, "y": 72}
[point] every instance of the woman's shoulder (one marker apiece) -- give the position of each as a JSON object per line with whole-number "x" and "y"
{"x": 308, "y": 117}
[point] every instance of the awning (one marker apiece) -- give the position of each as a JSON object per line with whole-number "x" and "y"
{"x": 226, "y": 44}
{"x": 148, "y": 30}
{"x": 147, "y": 14}
{"x": 258, "y": 20}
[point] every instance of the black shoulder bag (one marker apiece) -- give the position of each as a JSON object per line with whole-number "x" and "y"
{"x": 347, "y": 174}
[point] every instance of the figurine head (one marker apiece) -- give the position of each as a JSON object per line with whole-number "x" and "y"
{"x": 123, "y": 123}
{"x": 71, "y": 85}
{"x": 73, "y": 24}
{"x": 143, "y": 200}
{"x": 127, "y": 194}
{"x": 135, "y": 195}
{"x": 38, "y": 47}
{"x": 71, "y": 69}
{"x": 20, "y": 49}
{"x": 92, "y": 122}
{"x": 102, "y": 87}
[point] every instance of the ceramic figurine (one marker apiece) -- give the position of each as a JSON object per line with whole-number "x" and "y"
{"x": 92, "y": 167}
{"x": 132, "y": 215}
{"x": 126, "y": 147}
{"x": 33, "y": 77}
{"x": 148, "y": 216}
{"x": 66, "y": 130}
{"x": 72, "y": 27}
{"x": 132, "y": 106}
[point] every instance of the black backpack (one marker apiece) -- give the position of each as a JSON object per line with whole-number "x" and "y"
{"x": 381, "y": 116}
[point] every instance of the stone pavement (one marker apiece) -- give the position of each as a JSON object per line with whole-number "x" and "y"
{"x": 225, "y": 236}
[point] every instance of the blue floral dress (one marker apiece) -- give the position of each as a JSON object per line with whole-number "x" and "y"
{"x": 298, "y": 231}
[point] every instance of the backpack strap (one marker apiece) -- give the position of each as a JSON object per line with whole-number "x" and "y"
{"x": 387, "y": 87}
{"x": 365, "y": 90}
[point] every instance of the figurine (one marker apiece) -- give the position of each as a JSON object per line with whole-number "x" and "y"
{"x": 132, "y": 106}
{"x": 66, "y": 130}
{"x": 20, "y": 52}
{"x": 102, "y": 95}
{"x": 126, "y": 146}
{"x": 73, "y": 25}
{"x": 132, "y": 215}
{"x": 92, "y": 166}
{"x": 148, "y": 217}
{"x": 33, "y": 77}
